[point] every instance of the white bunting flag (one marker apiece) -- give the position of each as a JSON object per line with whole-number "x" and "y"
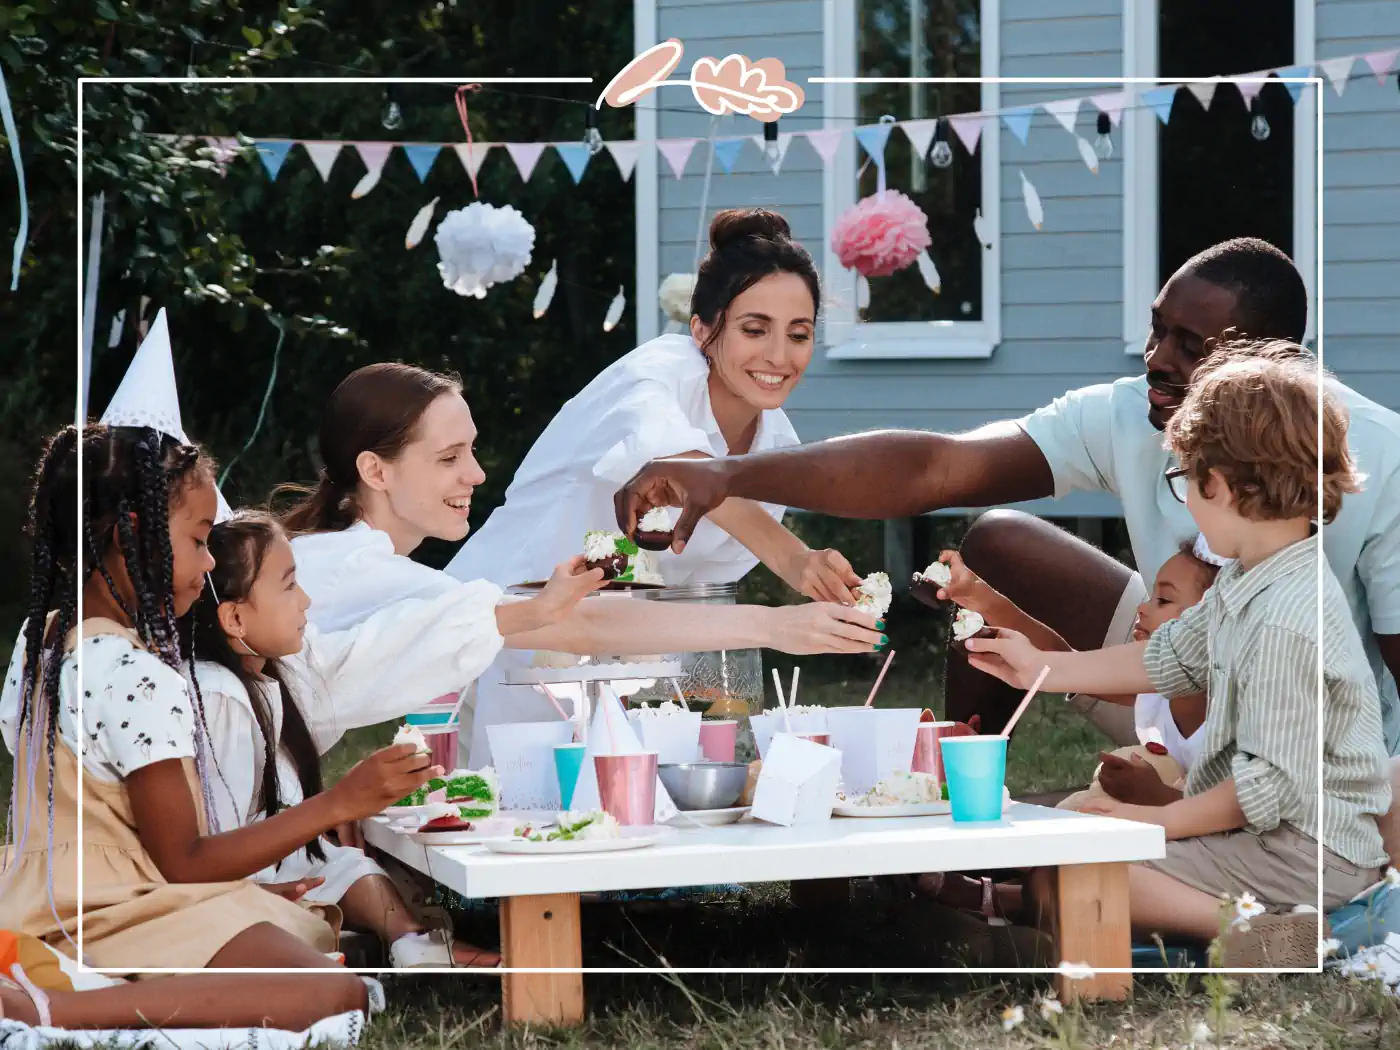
{"x": 1249, "y": 91}
{"x": 1065, "y": 110}
{"x": 1034, "y": 211}
{"x": 472, "y": 155}
{"x": 1204, "y": 92}
{"x": 624, "y": 155}
{"x": 526, "y": 155}
{"x": 1112, "y": 104}
{"x": 920, "y": 134}
{"x": 1338, "y": 71}
{"x": 323, "y": 155}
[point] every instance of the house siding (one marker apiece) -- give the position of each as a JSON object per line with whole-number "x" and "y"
{"x": 1062, "y": 286}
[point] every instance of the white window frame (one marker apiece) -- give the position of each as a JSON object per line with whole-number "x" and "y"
{"x": 1140, "y": 172}
{"x": 846, "y": 336}
{"x": 646, "y": 190}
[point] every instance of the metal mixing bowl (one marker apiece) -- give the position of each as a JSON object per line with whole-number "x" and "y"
{"x": 704, "y": 785}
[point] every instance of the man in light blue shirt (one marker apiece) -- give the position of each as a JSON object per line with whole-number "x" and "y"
{"x": 1106, "y": 437}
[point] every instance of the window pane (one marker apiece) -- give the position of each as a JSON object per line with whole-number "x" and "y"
{"x": 1216, "y": 180}
{"x": 945, "y": 42}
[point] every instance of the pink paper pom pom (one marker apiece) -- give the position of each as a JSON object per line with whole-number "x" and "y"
{"x": 881, "y": 234}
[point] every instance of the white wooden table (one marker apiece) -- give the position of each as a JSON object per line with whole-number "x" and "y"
{"x": 540, "y": 895}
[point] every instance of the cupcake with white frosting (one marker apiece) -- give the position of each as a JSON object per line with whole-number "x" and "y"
{"x": 620, "y": 559}
{"x": 968, "y": 624}
{"x": 408, "y": 734}
{"x": 925, "y": 585}
{"x": 655, "y": 531}
{"x": 875, "y": 594}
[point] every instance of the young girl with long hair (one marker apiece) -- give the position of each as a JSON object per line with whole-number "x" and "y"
{"x": 158, "y": 888}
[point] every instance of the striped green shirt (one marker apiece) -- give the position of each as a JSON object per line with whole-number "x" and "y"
{"x": 1251, "y": 644}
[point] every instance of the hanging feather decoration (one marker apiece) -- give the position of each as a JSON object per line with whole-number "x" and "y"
{"x": 615, "y": 309}
{"x": 1033, "y": 209}
{"x": 420, "y": 224}
{"x": 370, "y": 180}
{"x": 545, "y": 295}
{"x": 929, "y": 273}
{"x": 115, "y": 336}
{"x": 979, "y": 227}
{"x": 1086, "y": 150}
{"x": 862, "y": 294}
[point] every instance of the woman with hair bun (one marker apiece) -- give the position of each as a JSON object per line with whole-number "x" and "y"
{"x": 717, "y": 390}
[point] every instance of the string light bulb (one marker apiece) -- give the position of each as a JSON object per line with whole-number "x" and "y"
{"x": 1259, "y": 126}
{"x": 393, "y": 116}
{"x": 770, "y": 142}
{"x": 592, "y": 137}
{"x": 1103, "y": 144}
{"x": 942, "y": 152}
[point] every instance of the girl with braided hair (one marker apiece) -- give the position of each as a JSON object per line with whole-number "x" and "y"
{"x": 157, "y": 890}
{"x": 278, "y": 694}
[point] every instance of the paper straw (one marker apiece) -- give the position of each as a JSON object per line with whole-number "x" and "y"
{"x": 679, "y": 695}
{"x": 792, "y": 693}
{"x": 550, "y": 697}
{"x": 1025, "y": 701}
{"x": 782, "y": 706}
{"x": 876, "y": 687}
{"x": 607, "y": 702}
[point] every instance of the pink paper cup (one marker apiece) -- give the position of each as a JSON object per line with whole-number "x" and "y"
{"x": 627, "y": 786}
{"x": 718, "y": 740}
{"x": 928, "y": 754}
{"x": 443, "y": 744}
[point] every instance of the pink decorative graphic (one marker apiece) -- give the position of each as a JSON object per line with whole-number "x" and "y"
{"x": 882, "y": 234}
{"x": 734, "y": 84}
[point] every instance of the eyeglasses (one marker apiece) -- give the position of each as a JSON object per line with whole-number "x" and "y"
{"x": 1178, "y": 481}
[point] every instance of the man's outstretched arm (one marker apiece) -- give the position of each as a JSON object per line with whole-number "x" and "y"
{"x": 884, "y": 474}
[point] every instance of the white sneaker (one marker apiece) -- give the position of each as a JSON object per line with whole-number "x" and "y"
{"x": 417, "y": 950}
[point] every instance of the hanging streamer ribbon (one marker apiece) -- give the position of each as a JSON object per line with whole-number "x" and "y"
{"x": 705, "y": 189}
{"x": 94, "y": 269}
{"x": 461, "y": 98}
{"x": 12, "y": 133}
{"x": 262, "y": 409}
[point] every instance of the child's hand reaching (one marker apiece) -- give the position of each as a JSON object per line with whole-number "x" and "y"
{"x": 569, "y": 585}
{"x": 380, "y": 780}
{"x": 1009, "y": 656}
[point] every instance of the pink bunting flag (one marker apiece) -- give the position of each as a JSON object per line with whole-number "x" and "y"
{"x": 1381, "y": 63}
{"x": 526, "y": 155}
{"x": 676, "y": 152}
{"x": 1248, "y": 91}
{"x": 374, "y": 154}
{"x": 1112, "y": 104}
{"x": 826, "y": 142}
{"x": 968, "y": 128}
{"x": 472, "y": 155}
{"x": 1204, "y": 92}
{"x": 322, "y": 155}
{"x": 225, "y": 149}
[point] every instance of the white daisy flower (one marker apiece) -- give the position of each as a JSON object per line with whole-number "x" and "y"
{"x": 1246, "y": 908}
{"x": 1330, "y": 947}
{"x": 1012, "y": 1017}
{"x": 1050, "y": 1007}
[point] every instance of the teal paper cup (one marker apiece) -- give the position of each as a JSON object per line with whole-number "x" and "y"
{"x": 568, "y": 760}
{"x": 975, "y": 768}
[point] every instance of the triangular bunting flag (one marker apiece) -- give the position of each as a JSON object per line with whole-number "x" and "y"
{"x": 784, "y": 141}
{"x": 374, "y": 154}
{"x": 1112, "y": 104}
{"x": 1382, "y": 62}
{"x": 727, "y": 152}
{"x": 826, "y": 142}
{"x": 920, "y": 134}
{"x": 272, "y": 152}
{"x": 1295, "y": 89}
{"x": 1338, "y": 70}
{"x": 676, "y": 152}
{"x": 526, "y": 155}
{"x": 873, "y": 139}
{"x": 1065, "y": 110}
{"x": 968, "y": 128}
{"x": 1248, "y": 91}
{"x": 421, "y": 155}
{"x": 1018, "y": 121}
{"x": 575, "y": 156}
{"x": 1204, "y": 92}
{"x": 1161, "y": 99}
{"x": 624, "y": 155}
{"x": 322, "y": 155}
{"x": 472, "y": 155}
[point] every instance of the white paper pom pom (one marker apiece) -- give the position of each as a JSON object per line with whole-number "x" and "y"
{"x": 481, "y": 245}
{"x": 674, "y": 296}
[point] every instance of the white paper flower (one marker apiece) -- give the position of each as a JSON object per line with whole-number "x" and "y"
{"x": 674, "y": 296}
{"x": 482, "y": 245}
{"x": 1012, "y": 1017}
{"x": 1050, "y": 1007}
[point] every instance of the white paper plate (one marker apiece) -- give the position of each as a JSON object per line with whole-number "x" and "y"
{"x": 922, "y": 809}
{"x": 448, "y": 838}
{"x": 710, "y": 818}
{"x": 632, "y": 838}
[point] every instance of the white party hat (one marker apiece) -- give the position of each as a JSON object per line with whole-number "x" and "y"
{"x": 147, "y": 396}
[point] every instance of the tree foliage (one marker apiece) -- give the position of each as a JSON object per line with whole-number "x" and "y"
{"x": 237, "y": 258}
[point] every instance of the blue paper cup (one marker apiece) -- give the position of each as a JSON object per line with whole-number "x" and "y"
{"x": 975, "y": 768}
{"x": 568, "y": 760}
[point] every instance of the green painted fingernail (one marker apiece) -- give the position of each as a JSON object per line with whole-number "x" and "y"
{"x": 879, "y": 625}
{"x": 884, "y": 640}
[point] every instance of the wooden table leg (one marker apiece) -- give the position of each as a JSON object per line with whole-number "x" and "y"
{"x": 820, "y": 893}
{"x": 1090, "y": 923}
{"x": 541, "y": 931}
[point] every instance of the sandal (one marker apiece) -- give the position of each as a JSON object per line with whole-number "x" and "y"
{"x": 18, "y": 981}
{"x": 988, "y": 910}
{"x": 433, "y": 948}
